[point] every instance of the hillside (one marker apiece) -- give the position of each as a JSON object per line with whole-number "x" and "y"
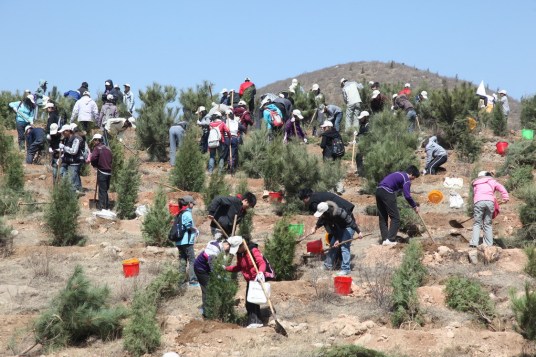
{"x": 328, "y": 79}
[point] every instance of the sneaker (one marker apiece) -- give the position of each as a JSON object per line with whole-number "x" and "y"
{"x": 472, "y": 246}
{"x": 388, "y": 242}
{"x": 194, "y": 285}
{"x": 255, "y": 326}
{"x": 343, "y": 273}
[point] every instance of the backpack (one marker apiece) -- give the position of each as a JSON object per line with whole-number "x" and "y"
{"x": 214, "y": 137}
{"x": 275, "y": 118}
{"x": 269, "y": 274}
{"x": 337, "y": 147}
{"x": 177, "y": 230}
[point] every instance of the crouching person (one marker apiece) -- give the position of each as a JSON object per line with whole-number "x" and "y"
{"x": 245, "y": 265}
{"x": 341, "y": 225}
{"x": 436, "y": 156}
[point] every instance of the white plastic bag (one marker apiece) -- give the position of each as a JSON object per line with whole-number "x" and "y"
{"x": 141, "y": 210}
{"x": 453, "y": 182}
{"x": 455, "y": 200}
{"x": 256, "y": 294}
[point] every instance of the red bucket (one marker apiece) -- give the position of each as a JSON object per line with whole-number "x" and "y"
{"x": 502, "y": 146}
{"x": 315, "y": 247}
{"x": 131, "y": 267}
{"x": 173, "y": 209}
{"x": 275, "y": 196}
{"x": 343, "y": 285}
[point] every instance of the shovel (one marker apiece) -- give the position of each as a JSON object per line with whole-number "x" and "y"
{"x": 346, "y": 241}
{"x": 425, "y": 227}
{"x": 168, "y": 186}
{"x": 93, "y": 201}
{"x": 457, "y": 224}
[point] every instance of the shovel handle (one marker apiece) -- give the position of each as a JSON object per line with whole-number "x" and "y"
{"x": 219, "y": 226}
{"x": 32, "y": 203}
{"x": 425, "y": 227}
{"x": 168, "y": 186}
{"x": 346, "y": 241}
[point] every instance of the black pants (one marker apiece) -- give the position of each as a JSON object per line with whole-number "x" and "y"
{"x": 437, "y": 161}
{"x": 35, "y": 148}
{"x": 103, "y": 181}
{"x": 254, "y": 310}
{"x": 202, "y": 278}
{"x": 387, "y": 208}
{"x": 86, "y": 126}
{"x": 203, "y": 143}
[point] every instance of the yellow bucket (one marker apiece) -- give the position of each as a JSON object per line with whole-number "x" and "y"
{"x": 435, "y": 196}
{"x": 471, "y": 123}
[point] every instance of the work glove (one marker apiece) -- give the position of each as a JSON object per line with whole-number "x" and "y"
{"x": 292, "y": 120}
{"x": 223, "y": 266}
{"x": 355, "y": 133}
{"x": 50, "y": 150}
{"x": 61, "y": 146}
{"x": 260, "y": 276}
{"x": 423, "y": 171}
{"x": 305, "y": 140}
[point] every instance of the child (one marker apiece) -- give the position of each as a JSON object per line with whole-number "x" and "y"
{"x": 185, "y": 244}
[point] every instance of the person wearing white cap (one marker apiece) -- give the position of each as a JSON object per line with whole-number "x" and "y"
{"x": 245, "y": 265}
{"x": 117, "y": 126}
{"x": 402, "y": 102}
{"x": 352, "y": 99}
{"x": 203, "y": 120}
{"x": 217, "y": 135}
{"x": 485, "y": 206}
{"x": 86, "y": 111}
{"x": 107, "y": 112}
{"x": 26, "y": 111}
{"x": 422, "y": 96}
{"x": 72, "y": 156}
{"x": 176, "y": 133}
{"x": 341, "y": 226}
{"x": 247, "y": 92}
{"x": 101, "y": 159}
{"x": 295, "y": 86}
{"x": 236, "y": 130}
{"x": 503, "y": 100}
{"x": 128, "y": 98}
{"x": 331, "y": 143}
{"x": 293, "y": 127}
{"x": 35, "y": 141}
{"x": 225, "y": 97}
{"x": 320, "y": 100}
{"x": 53, "y": 116}
{"x": 377, "y": 101}
{"x": 54, "y": 139}
{"x": 118, "y": 94}
{"x": 334, "y": 114}
{"x": 109, "y": 88}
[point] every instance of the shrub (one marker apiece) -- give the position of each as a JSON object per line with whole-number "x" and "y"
{"x": 253, "y": 153}
{"x": 189, "y": 171}
{"x": 191, "y": 99}
{"x": 530, "y": 268}
{"x": 468, "y": 147}
{"x": 6, "y": 240}
{"x": 406, "y": 279}
{"x": 280, "y": 249}
{"x": 221, "y": 292}
{"x": 156, "y": 223}
{"x": 409, "y": 220}
{"x": 78, "y": 312}
{"x": 388, "y": 147}
{"x": 524, "y": 309}
{"x": 519, "y": 177}
{"x": 216, "y": 187}
{"x": 331, "y": 172}
{"x": 273, "y": 165}
{"x": 7, "y": 115}
{"x": 464, "y": 295}
{"x": 348, "y": 351}
{"x": 8, "y": 201}
{"x": 528, "y": 113}
{"x": 498, "y": 120}
{"x": 154, "y": 120}
{"x": 61, "y": 215}
{"x": 527, "y": 213}
{"x": 521, "y": 153}
{"x": 142, "y": 332}
{"x": 246, "y": 225}
{"x": 118, "y": 155}
{"x": 127, "y": 190}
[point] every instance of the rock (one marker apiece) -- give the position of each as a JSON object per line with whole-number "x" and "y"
{"x": 318, "y": 345}
{"x": 368, "y": 324}
{"x": 485, "y": 273}
{"x": 14, "y": 233}
{"x": 348, "y": 330}
{"x": 363, "y": 339}
{"x": 42, "y": 177}
{"x": 450, "y": 334}
{"x": 489, "y": 254}
{"x": 473, "y": 256}
{"x": 443, "y": 250}
{"x": 219, "y": 340}
{"x": 104, "y": 244}
{"x": 153, "y": 250}
{"x": 301, "y": 327}
{"x": 103, "y": 230}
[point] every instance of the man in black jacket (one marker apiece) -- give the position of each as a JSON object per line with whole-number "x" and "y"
{"x": 223, "y": 209}
{"x": 35, "y": 143}
{"x": 312, "y": 199}
{"x": 101, "y": 159}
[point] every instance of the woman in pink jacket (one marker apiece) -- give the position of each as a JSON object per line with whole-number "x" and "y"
{"x": 484, "y": 188}
{"x": 245, "y": 265}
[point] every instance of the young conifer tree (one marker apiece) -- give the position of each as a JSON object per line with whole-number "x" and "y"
{"x": 216, "y": 187}
{"x": 191, "y": 99}
{"x": 118, "y": 154}
{"x": 61, "y": 215}
{"x": 127, "y": 190}
{"x": 528, "y": 113}
{"x": 498, "y": 120}
{"x": 221, "y": 292}
{"x": 189, "y": 171}
{"x": 154, "y": 120}
{"x": 155, "y": 227}
{"x": 280, "y": 249}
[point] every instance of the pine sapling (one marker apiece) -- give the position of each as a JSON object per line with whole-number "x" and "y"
{"x": 118, "y": 154}
{"x": 61, "y": 215}
{"x": 280, "y": 249}
{"x": 127, "y": 190}
{"x": 6, "y": 239}
{"x": 189, "y": 171}
{"x": 221, "y": 291}
{"x": 156, "y": 223}
{"x": 216, "y": 187}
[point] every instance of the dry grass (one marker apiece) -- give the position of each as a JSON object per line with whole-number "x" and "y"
{"x": 40, "y": 265}
{"x": 377, "y": 280}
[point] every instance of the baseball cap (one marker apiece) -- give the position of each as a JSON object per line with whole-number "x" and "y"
{"x": 107, "y": 83}
{"x": 188, "y": 199}
{"x": 395, "y": 95}
{"x": 247, "y": 79}
{"x": 126, "y": 85}
{"x": 502, "y": 91}
{"x": 424, "y": 94}
{"x": 297, "y": 113}
{"x": 315, "y": 87}
{"x": 200, "y": 109}
{"x": 217, "y": 113}
{"x": 326, "y": 123}
{"x": 53, "y": 129}
{"x": 96, "y": 137}
{"x": 343, "y": 80}
{"x": 27, "y": 127}
{"x": 484, "y": 173}
{"x": 87, "y": 93}
{"x": 375, "y": 93}
{"x": 49, "y": 105}
{"x": 407, "y": 85}
{"x": 235, "y": 242}
{"x": 320, "y": 209}
{"x": 363, "y": 114}
{"x": 241, "y": 102}
{"x": 371, "y": 83}
{"x": 224, "y": 90}
{"x": 294, "y": 81}
{"x": 116, "y": 86}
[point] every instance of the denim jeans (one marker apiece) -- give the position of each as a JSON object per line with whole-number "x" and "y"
{"x": 483, "y": 211}
{"x": 352, "y": 112}
{"x": 412, "y": 117}
{"x": 340, "y": 235}
{"x": 176, "y": 133}
{"x": 337, "y": 121}
{"x": 187, "y": 257}
{"x": 74, "y": 173}
{"x": 212, "y": 160}
{"x": 20, "y": 134}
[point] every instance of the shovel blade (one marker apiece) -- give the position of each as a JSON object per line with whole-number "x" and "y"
{"x": 93, "y": 204}
{"x": 455, "y": 224}
{"x": 280, "y": 329}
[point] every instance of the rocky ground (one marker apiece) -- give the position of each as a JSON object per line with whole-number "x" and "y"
{"x": 308, "y": 308}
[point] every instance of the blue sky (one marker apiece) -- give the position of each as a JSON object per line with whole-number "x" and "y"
{"x": 184, "y": 42}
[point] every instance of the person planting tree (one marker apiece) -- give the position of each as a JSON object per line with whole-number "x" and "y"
{"x": 311, "y": 200}
{"x": 293, "y": 127}
{"x": 436, "y": 156}
{"x": 218, "y": 131}
{"x": 341, "y": 226}
{"x": 223, "y": 210}
{"x": 386, "y": 201}
{"x": 35, "y": 143}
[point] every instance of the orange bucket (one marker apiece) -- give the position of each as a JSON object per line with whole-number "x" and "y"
{"x": 343, "y": 285}
{"x": 435, "y": 196}
{"x": 275, "y": 196}
{"x": 502, "y": 146}
{"x": 131, "y": 267}
{"x": 315, "y": 247}
{"x": 173, "y": 209}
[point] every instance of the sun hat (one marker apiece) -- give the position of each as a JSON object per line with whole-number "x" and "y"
{"x": 65, "y": 127}
{"x": 326, "y": 124}
{"x": 321, "y": 209}
{"x": 424, "y": 94}
{"x": 126, "y": 85}
{"x": 375, "y": 93}
{"x": 224, "y": 90}
{"x": 363, "y": 114}
{"x": 53, "y": 129}
{"x": 31, "y": 98}
{"x": 297, "y": 113}
{"x": 96, "y": 137}
{"x": 235, "y": 242}
{"x": 502, "y": 91}
{"x": 200, "y": 109}
{"x": 241, "y": 102}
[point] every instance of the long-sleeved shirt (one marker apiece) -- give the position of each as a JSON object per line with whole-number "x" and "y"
{"x": 396, "y": 182}
{"x": 85, "y": 109}
{"x": 350, "y": 92}
{"x": 245, "y": 265}
{"x": 24, "y": 114}
{"x": 332, "y": 110}
{"x": 318, "y": 197}
{"x": 203, "y": 262}
{"x": 107, "y": 112}
{"x": 505, "y": 105}
{"x": 128, "y": 99}
{"x": 402, "y": 102}
{"x": 484, "y": 189}
{"x": 289, "y": 129}
{"x": 433, "y": 149}
{"x": 267, "y": 117}
{"x": 116, "y": 126}
{"x": 205, "y": 121}
{"x": 188, "y": 227}
{"x": 101, "y": 159}
{"x": 224, "y": 209}
{"x": 37, "y": 136}
{"x": 336, "y": 218}
{"x": 224, "y": 130}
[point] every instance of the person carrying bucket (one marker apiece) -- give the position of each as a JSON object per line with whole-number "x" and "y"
{"x": 342, "y": 226}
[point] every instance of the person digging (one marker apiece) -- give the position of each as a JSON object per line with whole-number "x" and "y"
{"x": 223, "y": 210}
